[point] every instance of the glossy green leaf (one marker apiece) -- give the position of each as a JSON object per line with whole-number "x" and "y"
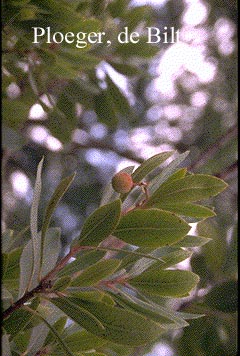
{"x": 190, "y": 188}
{"x": 90, "y": 296}
{"x": 149, "y": 165}
{"x": 95, "y": 273}
{"x": 83, "y": 341}
{"x": 120, "y": 326}
{"x": 174, "y": 283}
{"x": 120, "y": 101}
{"x": 158, "y": 309}
{"x": 15, "y": 113}
{"x": 100, "y": 224}
{"x": 105, "y": 109}
{"x": 18, "y": 320}
{"x": 223, "y": 297}
{"x": 5, "y": 258}
{"x": 166, "y": 173}
{"x": 12, "y": 270}
{"x": 82, "y": 261}
{"x": 56, "y": 197}
{"x": 125, "y": 69}
{"x": 7, "y": 237}
{"x": 151, "y": 228}
{"x": 148, "y": 311}
{"x": 28, "y": 278}
{"x": 192, "y": 241}
{"x": 59, "y": 326}
{"x": 73, "y": 308}
{"x": 51, "y": 249}
{"x": 214, "y": 262}
{"x": 62, "y": 283}
{"x": 169, "y": 258}
{"x": 7, "y": 298}
{"x": 34, "y": 220}
{"x": 186, "y": 209}
{"x": 40, "y": 334}
{"x": 140, "y": 49}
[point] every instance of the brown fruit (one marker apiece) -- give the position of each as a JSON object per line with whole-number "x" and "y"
{"x": 122, "y": 182}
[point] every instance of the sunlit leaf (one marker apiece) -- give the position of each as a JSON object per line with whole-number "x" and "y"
{"x": 190, "y": 188}
{"x": 34, "y": 220}
{"x": 100, "y": 224}
{"x": 152, "y": 228}
{"x": 149, "y": 165}
{"x": 174, "y": 283}
{"x": 119, "y": 325}
{"x": 57, "y": 195}
{"x": 95, "y": 273}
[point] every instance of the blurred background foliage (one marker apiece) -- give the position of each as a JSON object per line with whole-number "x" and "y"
{"x": 98, "y": 109}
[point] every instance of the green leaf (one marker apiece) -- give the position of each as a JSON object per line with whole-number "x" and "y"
{"x": 100, "y": 224}
{"x": 38, "y": 336}
{"x": 190, "y": 188}
{"x": 166, "y": 173}
{"x": 179, "y": 174}
{"x": 192, "y": 241}
{"x": 28, "y": 277}
{"x": 95, "y": 273}
{"x": 170, "y": 283}
{"x": 120, "y": 326}
{"x": 51, "y": 249}
{"x": 105, "y": 109}
{"x": 151, "y": 228}
{"x": 140, "y": 49}
{"x": 34, "y": 219}
{"x": 186, "y": 209}
{"x": 7, "y": 297}
{"x": 56, "y": 197}
{"x": 73, "y": 308}
{"x": 147, "y": 310}
{"x": 117, "y": 8}
{"x": 62, "y": 283}
{"x": 5, "y": 258}
{"x": 120, "y": 101}
{"x": 149, "y": 165}
{"x": 161, "y": 311}
{"x": 15, "y": 113}
{"x": 13, "y": 264}
{"x": 90, "y": 296}
{"x": 59, "y": 326}
{"x": 83, "y": 341}
{"x": 54, "y": 333}
{"x": 223, "y": 297}
{"x": 11, "y": 273}
{"x": 18, "y": 320}
{"x": 124, "y": 68}
{"x": 214, "y": 262}
{"x": 169, "y": 258}
{"x": 7, "y": 238}
{"x": 81, "y": 262}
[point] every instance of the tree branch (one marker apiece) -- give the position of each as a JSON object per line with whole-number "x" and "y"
{"x": 221, "y": 141}
{"x": 228, "y": 171}
{"x": 108, "y": 147}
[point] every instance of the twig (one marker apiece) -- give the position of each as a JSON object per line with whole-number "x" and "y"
{"x": 228, "y": 171}
{"x": 204, "y": 156}
{"x": 105, "y": 146}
